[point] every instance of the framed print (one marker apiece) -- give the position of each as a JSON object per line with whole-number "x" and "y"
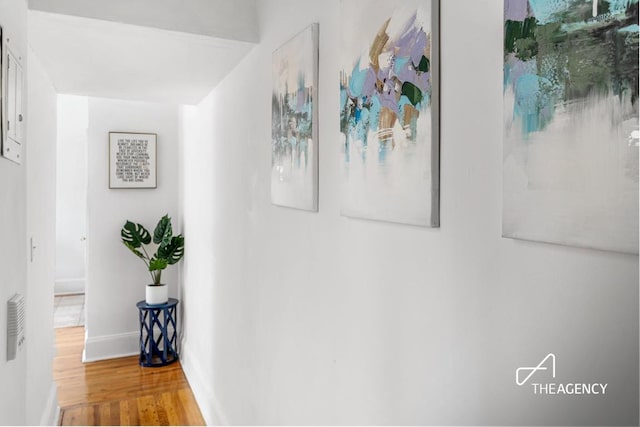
{"x": 389, "y": 111}
{"x": 132, "y": 160}
{"x": 294, "y": 122}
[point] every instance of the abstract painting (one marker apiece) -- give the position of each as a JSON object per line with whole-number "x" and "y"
{"x": 570, "y": 150}
{"x": 389, "y": 111}
{"x": 294, "y": 123}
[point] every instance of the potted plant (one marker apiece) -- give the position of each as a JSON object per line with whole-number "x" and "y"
{"x": 170, "y": 249}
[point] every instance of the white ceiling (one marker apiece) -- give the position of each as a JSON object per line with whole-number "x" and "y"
{"x": 100, "y": 58}
{"x": 231, "y": 19}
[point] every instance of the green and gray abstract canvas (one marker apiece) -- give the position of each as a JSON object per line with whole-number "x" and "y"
{"x": 570, "y": 88}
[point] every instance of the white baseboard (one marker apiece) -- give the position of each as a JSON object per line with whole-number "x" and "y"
{"x": 69, "y": 286}
{"x": 51, "y": 412}
{"x": 111, "y": 346}
{"x": 202, "y": 391}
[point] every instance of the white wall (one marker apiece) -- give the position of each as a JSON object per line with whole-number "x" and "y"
{"x": 300, "y": 318}
{"x": 13, "y": 250}
{"x": 217, "y": 18}
{"x": 71, "y": 194}
{"x": 116, "y": 278}
{"x": 41, "y": 402}
{"x": 27, "y": 209}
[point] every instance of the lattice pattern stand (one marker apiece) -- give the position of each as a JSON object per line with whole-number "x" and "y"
{"x": 158, "y": 333}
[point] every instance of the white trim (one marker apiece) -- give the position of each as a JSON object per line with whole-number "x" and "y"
{"x": 111, "y": 346}
{"x": 203, "y": 392}
{"x": 51, "y": 412}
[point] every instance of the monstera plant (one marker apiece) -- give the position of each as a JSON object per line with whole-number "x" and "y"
{"x": 169, "y": 249}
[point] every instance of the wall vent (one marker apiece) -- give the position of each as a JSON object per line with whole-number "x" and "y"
{"x": 15, "y": 325}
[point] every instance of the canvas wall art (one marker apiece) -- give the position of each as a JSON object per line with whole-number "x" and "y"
{"x": 294, "y": 128}
{"x": 570, "y": 151}
{"x": 389, "y": 111}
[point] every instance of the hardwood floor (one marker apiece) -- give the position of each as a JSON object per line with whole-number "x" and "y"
{"x": 118, "y": 391}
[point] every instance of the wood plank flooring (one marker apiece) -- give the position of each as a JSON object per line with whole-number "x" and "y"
{"x": 118, "y": 391}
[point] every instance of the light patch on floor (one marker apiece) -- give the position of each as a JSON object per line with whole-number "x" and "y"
{"x": 68, "y": 311}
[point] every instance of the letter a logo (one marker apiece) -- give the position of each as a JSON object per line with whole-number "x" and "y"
{"x": 529, "y": 371}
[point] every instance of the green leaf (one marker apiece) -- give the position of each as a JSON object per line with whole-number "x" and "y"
{"x": 134, "y": 250}
{"x": 163, "y": 232}
{"x": 158, "y": 264}
{"x": 173, "y": 251}
{"x": 135, "y": 235}
{"x": 412, "y": 92}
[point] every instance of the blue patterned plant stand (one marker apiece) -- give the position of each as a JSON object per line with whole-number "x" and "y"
{"x": 158, "y": 333}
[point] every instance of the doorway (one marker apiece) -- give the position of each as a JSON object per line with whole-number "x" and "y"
{"x": 71, "y": 212}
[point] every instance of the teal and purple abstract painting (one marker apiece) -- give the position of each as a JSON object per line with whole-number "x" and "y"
{"x": 294, "y": 123}
{"x": 389, "y": 111}
{"x": 570, "y": 149}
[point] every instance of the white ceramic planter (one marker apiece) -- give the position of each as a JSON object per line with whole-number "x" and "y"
{"x": 157, "y": 294}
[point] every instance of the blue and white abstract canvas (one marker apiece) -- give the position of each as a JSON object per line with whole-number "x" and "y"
{"x": 389, "y": 144}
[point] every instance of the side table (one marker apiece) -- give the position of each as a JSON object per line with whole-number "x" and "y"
{"x": 158, "y": 333}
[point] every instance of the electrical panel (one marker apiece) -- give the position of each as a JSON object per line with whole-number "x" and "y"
{"x": 14, "y": 123}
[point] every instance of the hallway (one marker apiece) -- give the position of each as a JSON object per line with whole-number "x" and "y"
{"x": 118, "y": 391}
{"x": 382, "y": 212}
